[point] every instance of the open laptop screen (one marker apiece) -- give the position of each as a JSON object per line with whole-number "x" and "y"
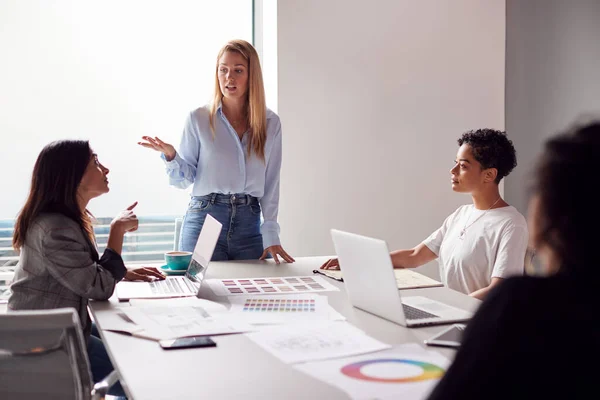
{"x": 195, "y": 272}
{"x": 203, "y": 251}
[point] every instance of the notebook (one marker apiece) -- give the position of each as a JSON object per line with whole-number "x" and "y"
{"x": 405, "y": 278}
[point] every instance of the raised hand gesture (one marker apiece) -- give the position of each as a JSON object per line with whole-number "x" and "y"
{"x": 158, "y": 145}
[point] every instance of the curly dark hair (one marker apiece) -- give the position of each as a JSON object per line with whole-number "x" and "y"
{"x": 491, "y": 149}
{"x": 566, "y": 182}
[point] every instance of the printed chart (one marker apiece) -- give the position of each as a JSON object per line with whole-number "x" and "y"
{"x": 406, "y": 371}
{"x": 429, "y": 371}
{"x": 278, "y": 285}
{"x": 316, "y": 341}
{"x": 282, "y": 309}
{"x": 279, "y": 305}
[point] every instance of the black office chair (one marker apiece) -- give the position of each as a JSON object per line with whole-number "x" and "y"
{"x": 43, "y": 355}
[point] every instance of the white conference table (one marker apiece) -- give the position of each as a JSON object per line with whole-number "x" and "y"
{"x": 237, "y": 368}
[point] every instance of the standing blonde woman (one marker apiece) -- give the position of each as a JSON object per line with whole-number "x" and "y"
{"x": 230, "y": 152}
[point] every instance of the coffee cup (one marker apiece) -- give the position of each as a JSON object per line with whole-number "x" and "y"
{"x": 178, "y": 260}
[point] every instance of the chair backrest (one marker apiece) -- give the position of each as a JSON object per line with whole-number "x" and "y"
{"x": 178, "y": 222}
{"x": 43, "y": 355}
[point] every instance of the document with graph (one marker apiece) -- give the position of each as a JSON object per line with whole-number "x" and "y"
{"x": 298, "y": 343}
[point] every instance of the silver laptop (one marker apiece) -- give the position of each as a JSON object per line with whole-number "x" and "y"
{"x": 179, "y": 286}
{"x": 371, "y": 285}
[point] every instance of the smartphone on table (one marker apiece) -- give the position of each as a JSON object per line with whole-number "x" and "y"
{"x": 449, "y": 337}
{"x": 186, "y": 343}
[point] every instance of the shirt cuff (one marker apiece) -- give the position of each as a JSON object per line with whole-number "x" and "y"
{"x": 270, "y": 234}
{"x": 174, "y": 163}
{"x": 113, "y": 263}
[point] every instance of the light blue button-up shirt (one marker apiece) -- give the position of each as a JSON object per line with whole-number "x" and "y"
{"x": 221, "y": 164}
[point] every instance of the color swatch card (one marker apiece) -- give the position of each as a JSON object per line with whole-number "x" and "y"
{"x": 278, "y": 305}
{"x": 279, "y": 309}
{"x": 404, "y": 372}
{"x": 315, "y": 341}
{"x": 279, "y": 285}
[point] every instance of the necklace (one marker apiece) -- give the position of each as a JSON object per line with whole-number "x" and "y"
{"x": 239, "y": 124}
{"x": 464, "y": 230}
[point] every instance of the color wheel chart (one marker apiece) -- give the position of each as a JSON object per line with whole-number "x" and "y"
{"x": 276, "y": 285}
{"x": 430, "y": 371}
{"x": 406, "y": 371}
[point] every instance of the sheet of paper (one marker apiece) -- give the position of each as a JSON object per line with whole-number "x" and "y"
{"x": 118, "y": 322}
{"x": 404, "y": 372}
{"x": 280, "y": 309}
{"x": 315, "y": 341}
{"x": 166, "y": 322}
{"x": 275, "y": 285}
{"x": 405, "y": 278}
{"x": 210, "y": 307}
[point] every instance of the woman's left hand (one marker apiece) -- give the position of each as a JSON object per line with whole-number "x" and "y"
{"x": 147, "y": 274}
{"x": 274, "y": 251}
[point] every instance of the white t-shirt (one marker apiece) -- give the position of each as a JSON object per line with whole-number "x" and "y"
{"x": 493, "y": 246}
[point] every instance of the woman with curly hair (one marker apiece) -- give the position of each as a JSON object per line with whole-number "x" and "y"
{"x": 543, "y": 319}
{"x": 479, "y": 244}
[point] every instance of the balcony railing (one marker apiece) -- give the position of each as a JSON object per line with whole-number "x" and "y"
{"x": 154, "y": 237}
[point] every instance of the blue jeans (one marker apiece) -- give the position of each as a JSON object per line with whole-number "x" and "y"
{"x": 240, "y": 237}
{"x": 100, "y": 362}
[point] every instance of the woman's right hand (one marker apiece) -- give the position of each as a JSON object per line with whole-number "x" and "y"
{"x": 158, "y": 145}
{"x": 332, "y": 263}
{"x": 126, "y": 221}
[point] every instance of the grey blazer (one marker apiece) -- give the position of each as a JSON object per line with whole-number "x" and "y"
{"x": 60, "y": 267}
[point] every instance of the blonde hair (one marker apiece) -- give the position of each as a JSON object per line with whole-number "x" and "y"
{"x": 257, "y": 107}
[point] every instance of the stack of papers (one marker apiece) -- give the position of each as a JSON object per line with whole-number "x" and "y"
{"x": 183, "y": 321}
{"x": 173, "y": 318}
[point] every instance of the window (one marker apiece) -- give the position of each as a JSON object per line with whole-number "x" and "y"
{"x": 109, "y": 72}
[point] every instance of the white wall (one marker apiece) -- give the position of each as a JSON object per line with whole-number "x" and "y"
{"x": 552, "y": 76}
{"x": 372, "y": 97}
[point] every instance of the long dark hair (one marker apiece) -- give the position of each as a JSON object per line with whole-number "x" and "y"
{"x": 57, "y": 173}
{"x": 566, "y": 182}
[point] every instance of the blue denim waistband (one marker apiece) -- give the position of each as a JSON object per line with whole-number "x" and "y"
{"x": 237, "y": 198}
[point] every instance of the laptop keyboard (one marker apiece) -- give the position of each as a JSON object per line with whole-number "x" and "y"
{"x": 171, "y": 286}
{"x": 415, "y": 313}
